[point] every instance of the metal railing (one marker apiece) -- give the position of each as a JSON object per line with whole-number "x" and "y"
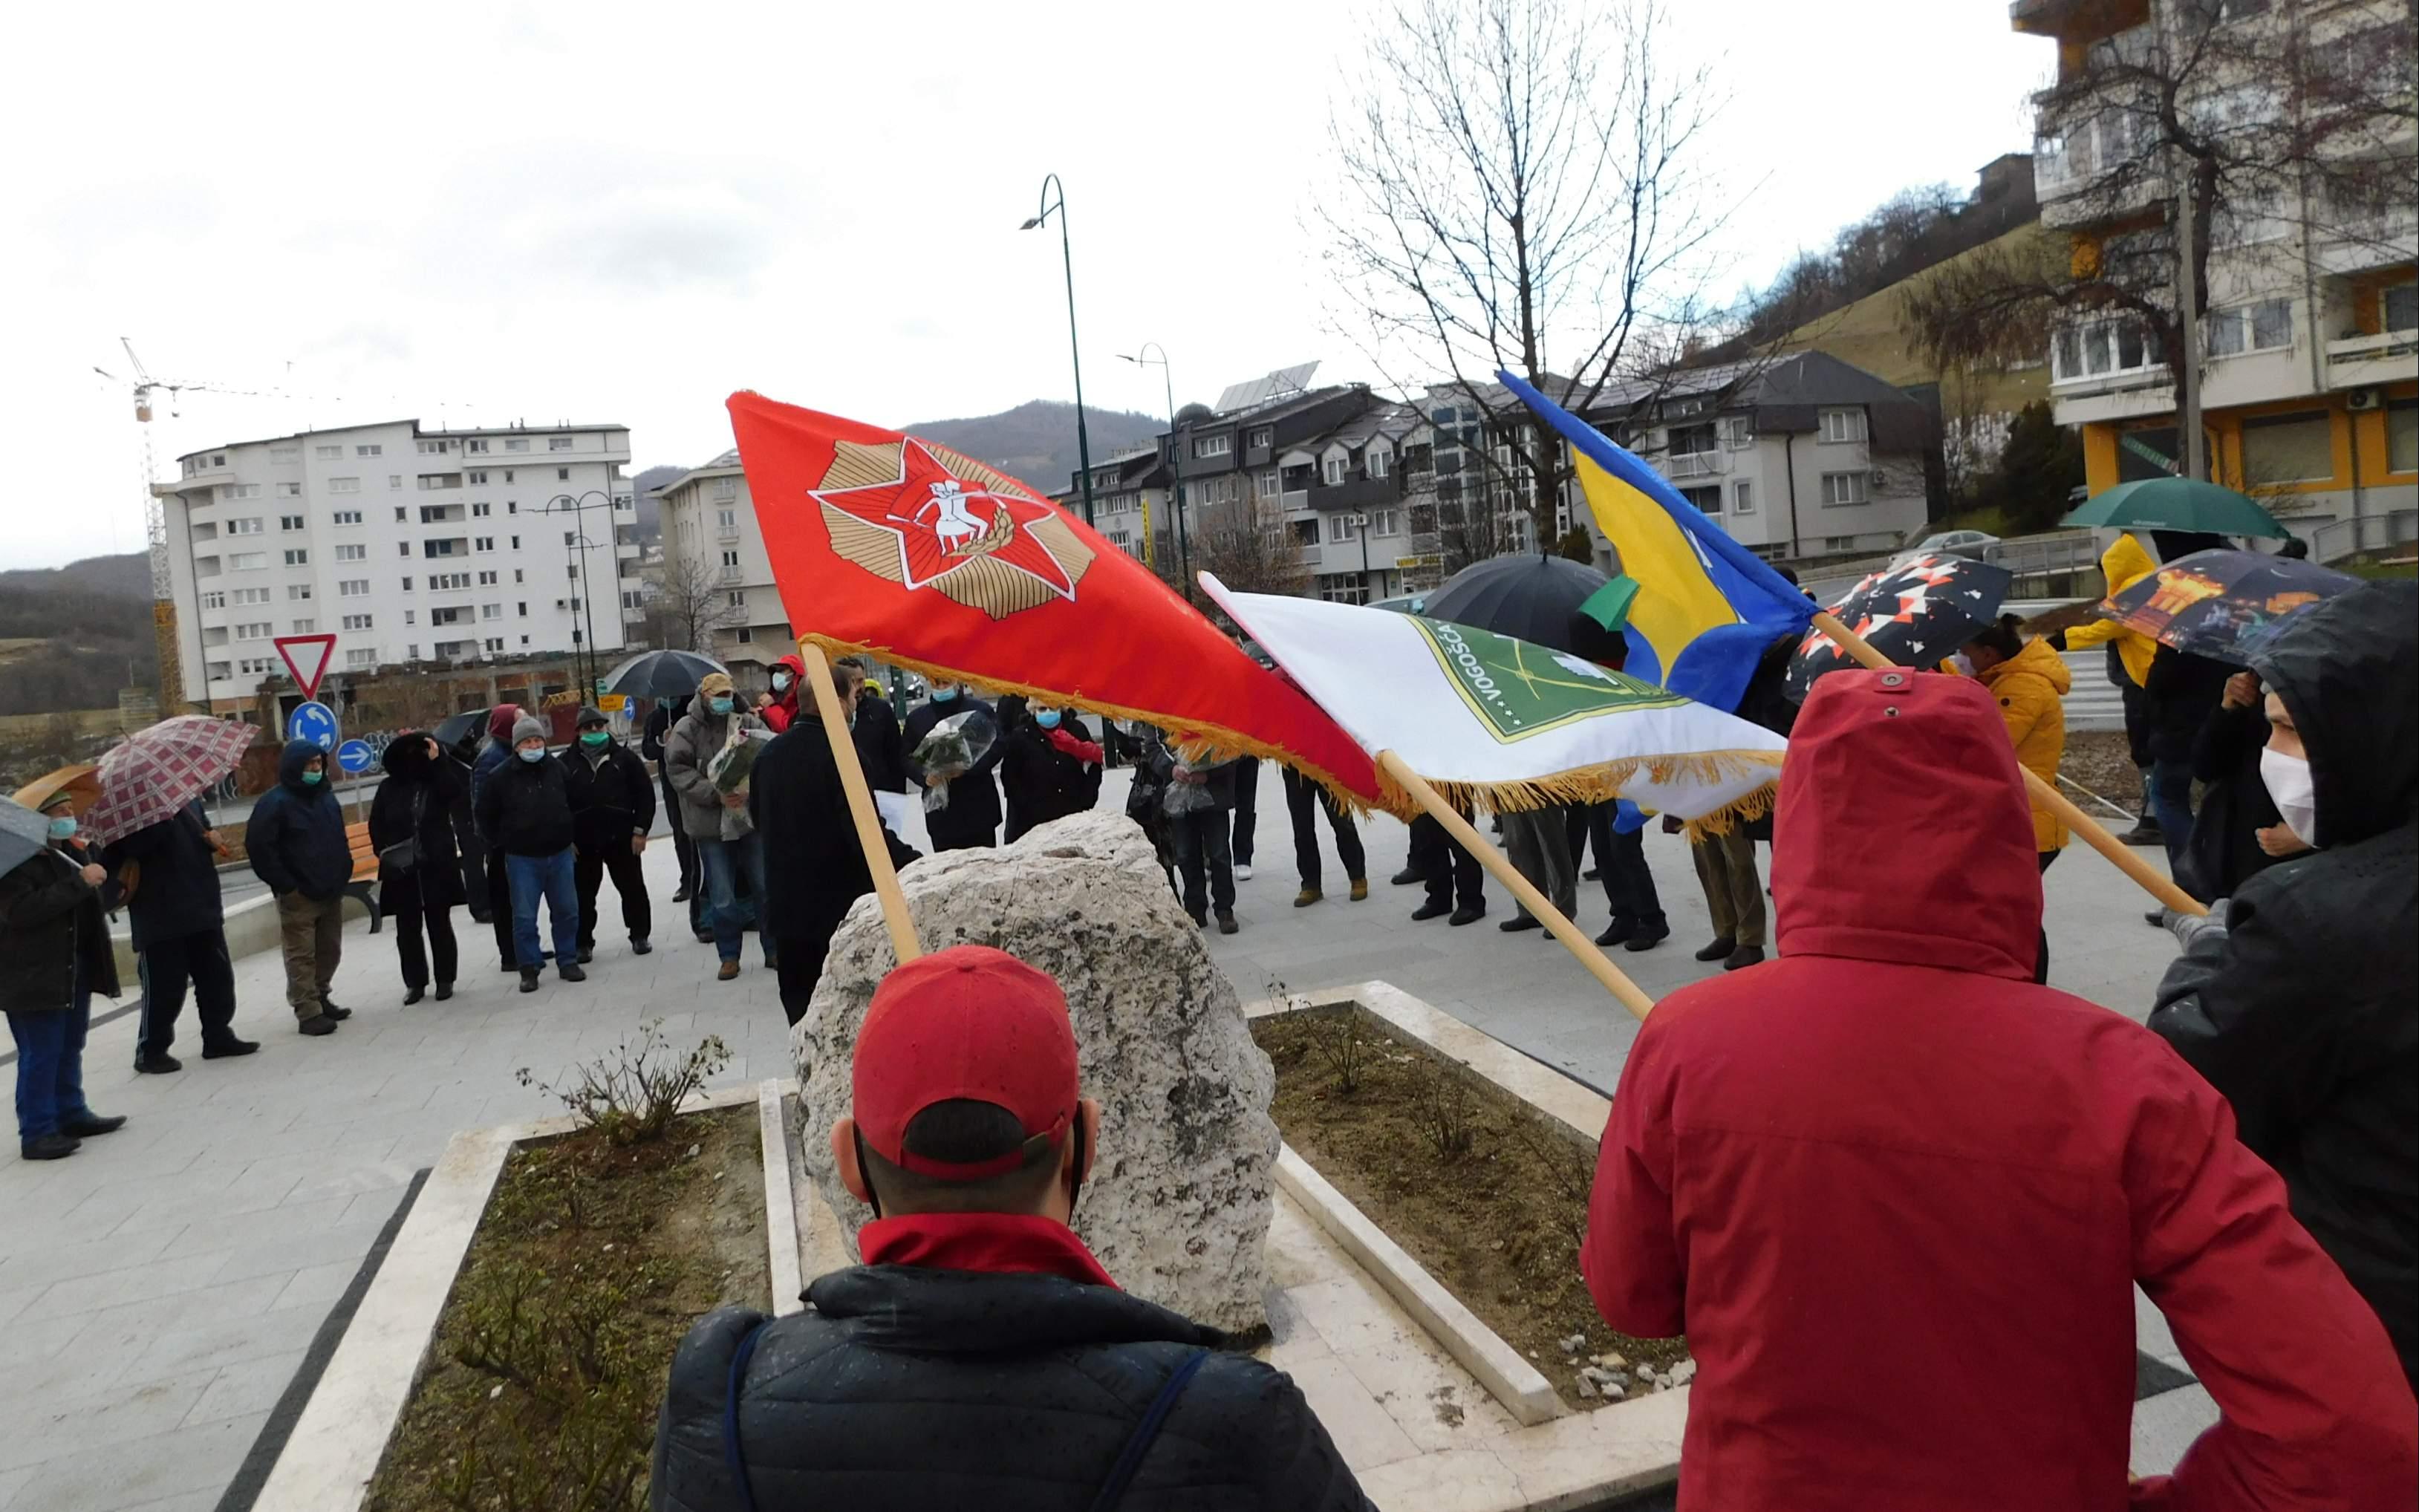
{"x": 2339, "y": 539}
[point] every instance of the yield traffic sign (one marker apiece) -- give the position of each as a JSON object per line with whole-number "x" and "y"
{"x": 306, "y": 659}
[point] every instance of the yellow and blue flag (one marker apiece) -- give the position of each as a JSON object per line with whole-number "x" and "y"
{"x": 1706, "y": 609}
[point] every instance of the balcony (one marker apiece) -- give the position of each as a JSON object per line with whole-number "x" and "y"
{"x": 1695, "y": 465}
{"x": 1355, "y": 493}
{"x": 2357, "y": 361}
{"x": 2075, "y": 20}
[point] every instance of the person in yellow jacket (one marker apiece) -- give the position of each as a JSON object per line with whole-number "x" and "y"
{"x": 2126, "y": 563}
{"x": 2030, "y": 681}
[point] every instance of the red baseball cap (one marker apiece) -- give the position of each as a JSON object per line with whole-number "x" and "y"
{"x": 967, "y": 1023}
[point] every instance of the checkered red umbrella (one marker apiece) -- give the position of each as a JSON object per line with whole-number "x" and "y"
{"x": 157, "y": 771}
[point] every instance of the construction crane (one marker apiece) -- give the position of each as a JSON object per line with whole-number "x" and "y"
{"x": 155, "y": 517}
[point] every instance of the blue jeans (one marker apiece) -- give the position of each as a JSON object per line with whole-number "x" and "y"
{"x": 549, "y": 877}
{"x": 2171, "y": 800}
{"x": 50, "y": 1067}
{"x": 719, "y": 858}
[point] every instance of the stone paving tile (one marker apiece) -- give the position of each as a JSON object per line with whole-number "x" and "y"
{"x": 155, "y": 1407}
{"x": 244, "y": 1390}
{"x": 141, "y": 1472}
{"x": 11, "y": 1481}
{"x": 2164, "y": 1427}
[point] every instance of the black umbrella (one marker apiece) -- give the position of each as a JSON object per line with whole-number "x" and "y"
{"x": 660, "y": 675}
{"x": 456, "y": 728}
{"x": 1917, "y": 613}
{"x": 1531, "y": 598}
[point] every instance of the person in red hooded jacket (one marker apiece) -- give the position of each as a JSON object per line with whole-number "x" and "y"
{"x": 784, "y": 707}
{"x": 1890, "y": 1146}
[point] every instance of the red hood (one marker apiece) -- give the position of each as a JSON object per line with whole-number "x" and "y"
{"x": 797, "y": 666}
{"x": 1904, "y": 832}
{"x": 500, "y": 722}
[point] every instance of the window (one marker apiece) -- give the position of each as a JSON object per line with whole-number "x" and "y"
{"x": 402, "y": 550}
{"x": 328, "y": 453}
{"x": 306, "y": 627}
{"x": 557, "y": 443}
{"x": 244, "y": 527}
{"x": 726, "y": 488}
{"x": 355, "y": 621}
{"x": 477, "y": 477}
{"x": 2103, "y": 348}
{"x": 736, "y": 598}
{"x": 1218, "y": 445}
{"x": 1738, "y": 432}
{"x": 254, "y": 630}
{"x": 483, "y": 543}
{"x": 1844, "y": 489}
{"x": 1268, "y": 484}
{"x": 297, "y": 592}
{"x": 214, "y": 600}
{"x": 522, "y": 608}
{"x": 298, "y": 557}
{"x": 2251, "y": 328}
{"x": 343, "y": 485}
{"x": 730, "y": 559}
{"x": 220, "y": 670}
{"x": 401, "y": 514}
{"x": 518, "y": 444}
{"x": 727, "y": 519}
{"x": 1373, "y": 462}
{"x": 348, "y": 516}
{"x": 492, "y": 611}
{"x": 285, "y": 453}
{"x": 1708, "y": 497}
{"x": 394, "y": 481}
{"x": 2295, "y": 448}
{"x": 411, "y": 616}
{"x": 519, "y": 576}
{"x": 1331, "y": 471}
{"x": 441, "y": 581}
{"x": 517, "y": 542}
{"x": 249, "y": 595}
{"x": 494, "y": 643}
{"x": 406, "y": 585}
{"x": 440, "y": 480}
{"x": 247, "y": 560}
{"x": 440, "y": 549}
{"x": 745, "y": 635}
{"x": 363, "y": 656}
{"x": 434, "y": 448}
{"x": 1743, "y": 497}
{"x": 2398, "y": 308}
{"x": 512, "y": 507}
{"x": 354, "y": 588}
{"x": 486, "y": 579}
{"x": 562, "y": 474}
{"x": 1839, "y": 543}
{"x": 412, "y": 653}
{"x": 525, "y": 641}
{"x": 475, "y": 445}
{"x": 571, "y": 573}
{"x": 1843, "y": 425}
{"x": 373, "y": 449}
{"x": 290, "y": 490}
{"x": 256, "y": 666}
{"x": 481, "y": 511}
{"x": 1385, "y": 522}
{"x": 1340, "y": 528}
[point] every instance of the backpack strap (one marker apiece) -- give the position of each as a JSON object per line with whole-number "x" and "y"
{"x": 734, "y": 1458}
{"x": 1146, "y": 1432}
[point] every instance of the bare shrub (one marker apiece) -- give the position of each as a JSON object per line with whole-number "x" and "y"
{"x": 632, "y": 1094}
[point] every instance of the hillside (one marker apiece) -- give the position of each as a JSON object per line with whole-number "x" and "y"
{"x": 1034, "y": 442}
{"x": 75, "y": 635}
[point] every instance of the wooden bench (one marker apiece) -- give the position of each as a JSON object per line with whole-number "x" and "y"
{"x": 365, "y": 869}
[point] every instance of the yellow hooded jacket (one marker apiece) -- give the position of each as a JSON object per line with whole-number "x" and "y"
{"x": 2031, "y": 688}
{"x": 2123, "y": 564}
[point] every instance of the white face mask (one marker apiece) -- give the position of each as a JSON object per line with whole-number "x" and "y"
{"x": 1964, "y": 663}
{"x": 2289, "y": 786}
{"x": 780, "y": 682}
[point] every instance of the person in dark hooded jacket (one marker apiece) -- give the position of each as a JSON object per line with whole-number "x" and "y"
{"x": 494, "y": 754}
{"x": 1891, "y": 1128}
{"x": 979, "y": 1358}
{"x": 56, "y": 944}
{"x": 651, "y": 744}
{"x": 2238, "y": 833}
{"x": 295, "y": 843}
{"x": 2294, "y": 996}
{"x": 413, "y": 828}
{"x": 1052, "y": 769}
{"x": 525, "y": 812}
{"x": 970, "y": 819}
{"x": 179, "y": 936}
{"x": 612, "y": 808}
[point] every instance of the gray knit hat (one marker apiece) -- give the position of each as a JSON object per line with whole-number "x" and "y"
{"x": 590, "y": 714}
{"x": 526, "y": 727}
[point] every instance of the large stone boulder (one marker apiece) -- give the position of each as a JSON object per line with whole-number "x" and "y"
{"x": 1178, "y": 1205}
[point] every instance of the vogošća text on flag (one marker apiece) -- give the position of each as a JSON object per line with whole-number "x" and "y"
{"x": 923, "y": 556}
{"x": 1706, "y": 608}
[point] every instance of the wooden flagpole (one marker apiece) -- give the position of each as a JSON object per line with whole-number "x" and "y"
{"x": 2094, "y": 833}
{"x": 1599, "y": 966}
{"x": 860, "y": 805}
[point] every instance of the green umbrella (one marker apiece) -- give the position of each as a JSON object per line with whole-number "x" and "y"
{"x": 2176, "y": 504}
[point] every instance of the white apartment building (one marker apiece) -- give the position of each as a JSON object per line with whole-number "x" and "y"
{"x": 711, "y": 546}
{"x": 411, "y": 547}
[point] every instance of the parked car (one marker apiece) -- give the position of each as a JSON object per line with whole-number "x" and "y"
{"x": 1974, "y": 543}
{"x": 1403, "y": 604}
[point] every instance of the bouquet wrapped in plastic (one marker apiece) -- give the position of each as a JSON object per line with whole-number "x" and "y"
{"x": 950, "y": 749}
{"x": 729, "y": 768}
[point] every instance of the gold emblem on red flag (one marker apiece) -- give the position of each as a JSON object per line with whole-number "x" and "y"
{"x": 925, "y": 517}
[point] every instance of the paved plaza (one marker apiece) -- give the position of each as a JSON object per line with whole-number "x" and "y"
{"x": 161, "y": 1289}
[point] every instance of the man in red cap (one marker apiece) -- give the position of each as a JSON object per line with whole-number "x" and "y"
{"x": 1898, "y": 1196}
{"x": 980, "y": 1357}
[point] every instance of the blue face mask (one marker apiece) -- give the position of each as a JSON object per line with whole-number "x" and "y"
{"x": 943, "y": 695}
{"x": 719, "y": 705}
{"x": 312, "y": 778}
{"x": 1047, "y": 718}
{"x": 62, "y": 827}
{"x": 537, "y": 755}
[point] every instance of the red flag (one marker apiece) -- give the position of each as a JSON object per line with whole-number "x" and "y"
{"x": 925, "y": 558}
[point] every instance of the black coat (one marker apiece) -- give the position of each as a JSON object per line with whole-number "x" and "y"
{"x": 49, "y": 918}
{"x": 2300, "y": 1010}
{"x": 177, "y": 884}
{"x": 1041, "y": 782}
{"x": 612, "y": 798}
{"x": 296, "y": 838}
{"x": 2224, "y": 851}
{"x": 972, "y": 813}
{"x": 906, "y": 1390}
{"x": 813, "y": 866}
{"x": 880, "y": 746}
{"x": 525, "y": 806}
{"x": 2182, "y": 691}
{"x": 423, "y": 800}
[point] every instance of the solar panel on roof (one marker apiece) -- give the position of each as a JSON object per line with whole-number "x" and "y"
{"x": 1276, "y": 385}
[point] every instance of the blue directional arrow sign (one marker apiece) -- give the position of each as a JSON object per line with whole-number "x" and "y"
{"x": 314, "y": 722}
{"x": 355, "y": 755}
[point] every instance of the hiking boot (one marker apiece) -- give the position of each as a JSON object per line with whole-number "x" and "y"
{"x": 47, "y": 1147}
{"x": 331, "y": 1011}
{"x": 316, "y": 1026}
{"x": 88, "y": 1123}
{"x": 1227, "y": 924}
{"x": 1404, "y": 878}
{"x": 1721, "y": 949}
{"x": 1306, "y": 897}
{"x": 1521, "y": 922}
{"x": 1620, "y": 931}
{"x": 571, "y": 971}
{"x": 1430, "y": 910}
{"x": 1746, "y": 955}
{"x": 1468, "y": 914}
{"x": 587, "y": 953}
{"x": 1360, "y": 890}
{"x": 638, "y": 945}
{"x": 528, "y": 980}
{"x": 1647, "y": 939}
{"x": 158, "y": 1063}
{"x": 2146, "y": 832}
{"x": 415, "y": 994}
{"x": 230, "y": 1047}
{"x": 728, "y": 971}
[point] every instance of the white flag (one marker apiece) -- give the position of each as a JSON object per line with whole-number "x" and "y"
{"x": 1507, "y": 724}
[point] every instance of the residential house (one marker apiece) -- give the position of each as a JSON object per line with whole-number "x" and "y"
{"x": 712, "y": 546}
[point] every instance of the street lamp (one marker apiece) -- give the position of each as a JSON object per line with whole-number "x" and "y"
{"x": 1175, "y": 464}
{"x": 563, "y": 503}
{"x": 1058, "y": 206}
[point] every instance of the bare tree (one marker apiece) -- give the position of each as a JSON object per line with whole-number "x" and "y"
{"x": 691, "y": 603}
{"x": 1519, "y": 191}
{"x": 2194, "y": 137}
{"x": 1249, "y": 545}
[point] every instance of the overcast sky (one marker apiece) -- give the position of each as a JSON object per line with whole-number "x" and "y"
{"x": 606, "y": 212}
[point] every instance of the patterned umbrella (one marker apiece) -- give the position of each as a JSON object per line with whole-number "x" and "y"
{"x": 1915, "y": 614}
{"x": 81, "y": 783}
{"x": 157, "y": 771}
{"x": 2222, "y": 605}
